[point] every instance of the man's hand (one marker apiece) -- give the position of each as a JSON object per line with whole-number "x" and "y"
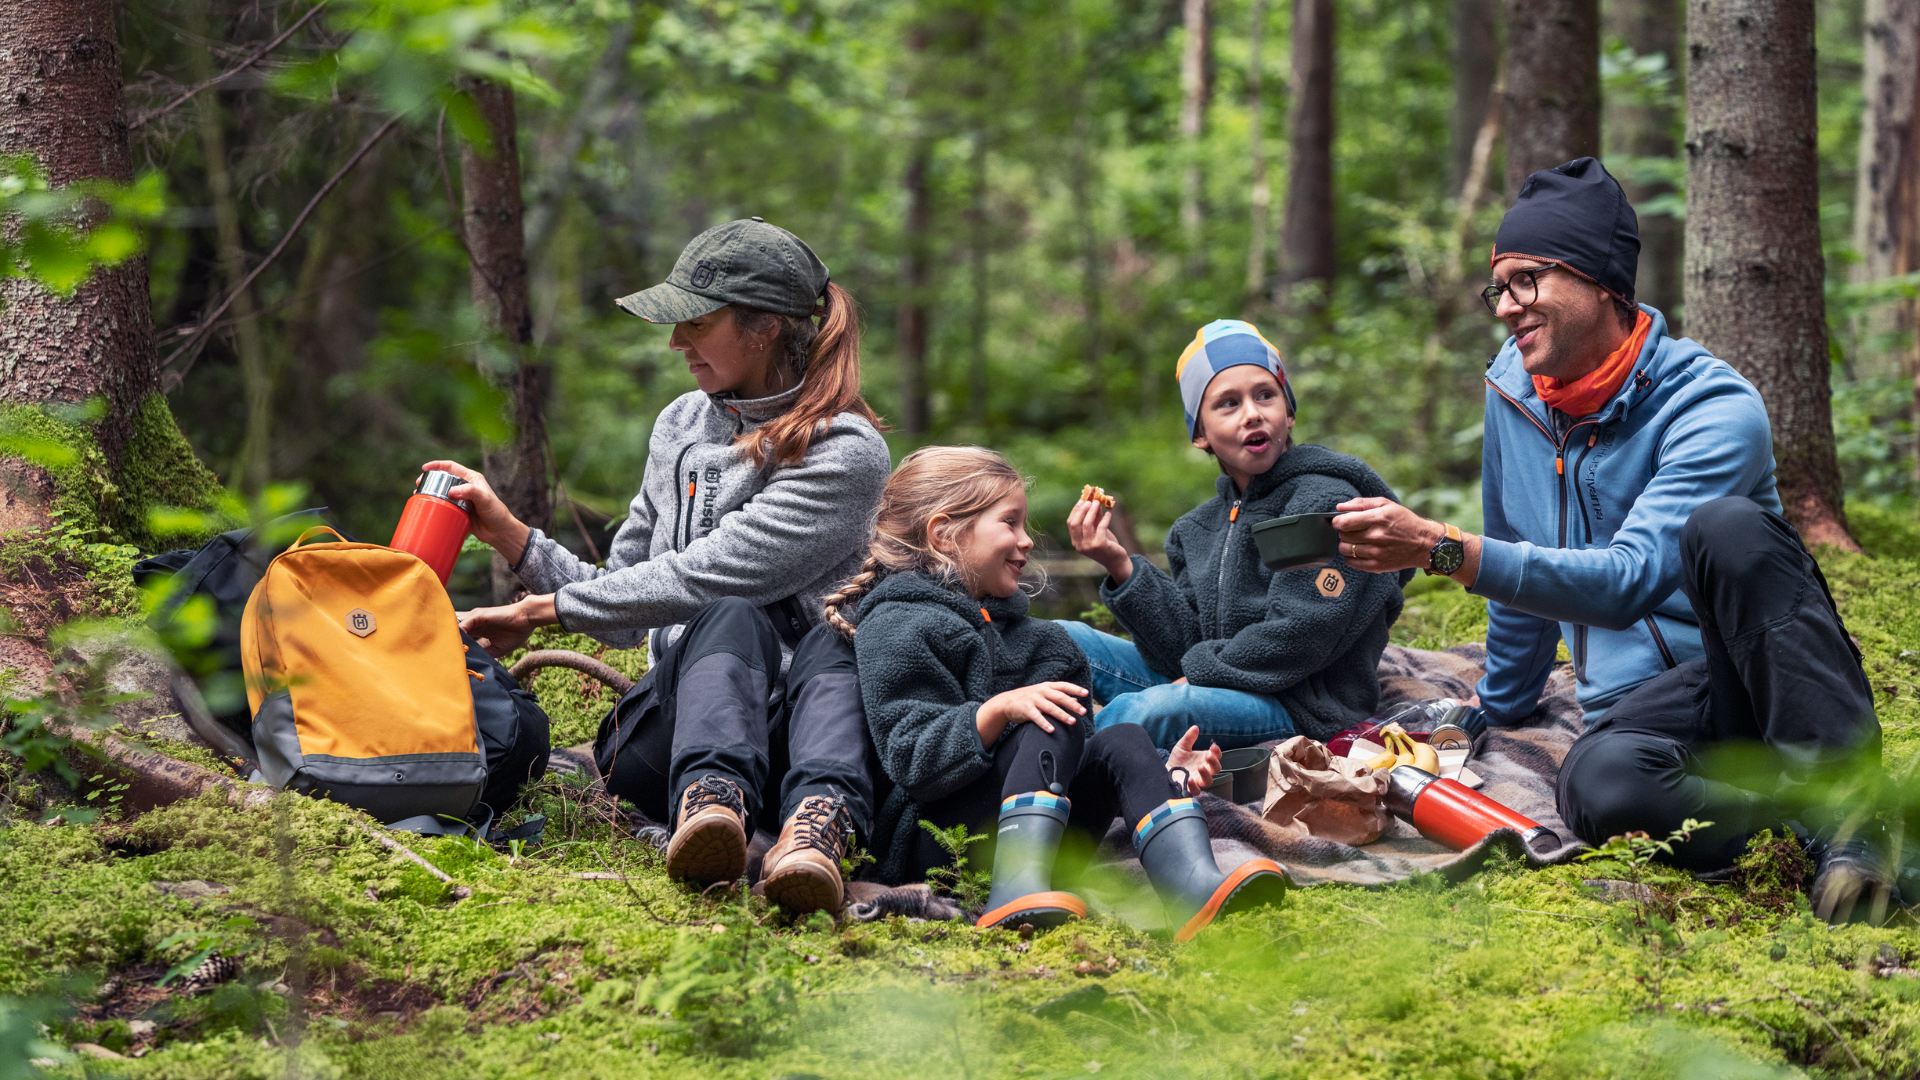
{"x": 500, "y": 630}
{"x": 1201, "y": 765}
{"x": 1087, "y": 526}
{"x": 1381, "y": 536}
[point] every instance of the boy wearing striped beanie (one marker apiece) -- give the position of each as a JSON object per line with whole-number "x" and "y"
{"x": 1247, "y": 654}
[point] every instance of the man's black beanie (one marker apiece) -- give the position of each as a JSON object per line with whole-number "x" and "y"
{"x": 1576, "y": 215}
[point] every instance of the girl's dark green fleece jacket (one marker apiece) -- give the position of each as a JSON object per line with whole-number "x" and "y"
{"x": 928, "y": 658}
{"x": 1223, "y": 619}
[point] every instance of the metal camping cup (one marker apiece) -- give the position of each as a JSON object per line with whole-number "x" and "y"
{"x": 1451, "y": 813}
{"x": 433, "y": 526}
{"x": 1248, "y": 768}
{"x": 1297, "y": 540}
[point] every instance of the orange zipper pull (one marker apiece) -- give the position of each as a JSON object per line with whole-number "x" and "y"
{"x": 1593, "y": 438}
{"x": 1234, "y": 515}
{"x": 689, "y": 489}
{"x": 984, "y": 615}
{"x": 1559, "y": 466}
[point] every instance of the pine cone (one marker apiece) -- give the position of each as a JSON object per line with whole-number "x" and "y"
{"x": 111, "y": 988}
{"x": 214, "y": 970}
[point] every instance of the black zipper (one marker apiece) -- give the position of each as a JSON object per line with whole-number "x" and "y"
{"x": 1586, "y": 522}
{"x": 1220, "y": 585}
{"x": 674, "y": 536}
{"x": 693, "y": 485}
{"x": 1666, "y": 654}
{"x": 1580, "y": 652}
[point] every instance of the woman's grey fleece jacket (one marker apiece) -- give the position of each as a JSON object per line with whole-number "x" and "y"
{"x": 1223, "y": 619}
{"x": 709, "y": 524}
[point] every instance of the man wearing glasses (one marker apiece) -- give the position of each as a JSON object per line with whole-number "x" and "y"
{"x": 1627, "y": 482}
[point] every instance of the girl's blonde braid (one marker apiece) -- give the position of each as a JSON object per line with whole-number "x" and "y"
{"x": 850, "y": 593}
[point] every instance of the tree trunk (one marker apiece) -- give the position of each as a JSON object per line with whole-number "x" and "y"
{"x": 1476, "y": 65}
{"x": 1306, "y": 253}
{"x": 1194, "y": 88}
{"x": 977, "y": 388}
{"x": 1754, "y": 267}
{"x": 1262, "y": 194}
{"x": 1633, "y": 129}
{"x": 254, "y": 466}
{"x": 916, "y": 282}
{"x": 60, "y": 102}
{"x": 1553, "y": 85}
{"x": 496, "y": 248}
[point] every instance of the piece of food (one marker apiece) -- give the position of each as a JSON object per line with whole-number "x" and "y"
{"x": 1090, "y": 493}
{"x": 1397, "y": 741}
{"x": 1383, "y": 761}
{"x": 1425, "y": 758}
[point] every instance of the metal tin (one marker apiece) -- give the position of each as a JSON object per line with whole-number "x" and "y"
{"x": 436, "y": 483}
{"x": 1450, "y": 737}
{"x": 1247, "y": 769}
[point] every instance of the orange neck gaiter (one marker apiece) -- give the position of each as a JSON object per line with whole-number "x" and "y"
{"x": 1585, "y": 395}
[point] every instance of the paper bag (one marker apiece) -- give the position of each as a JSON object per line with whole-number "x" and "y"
{"x": 1312, "y": 793}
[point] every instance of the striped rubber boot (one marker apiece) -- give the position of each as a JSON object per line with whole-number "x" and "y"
{"x": 1031, "y": 826}
{"x": 1178, "y": 856}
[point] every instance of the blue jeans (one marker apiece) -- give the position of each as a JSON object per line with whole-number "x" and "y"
{"x": 1133, "y": 693}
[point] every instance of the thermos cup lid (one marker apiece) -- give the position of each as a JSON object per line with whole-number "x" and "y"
{"x": 436, "y": 483}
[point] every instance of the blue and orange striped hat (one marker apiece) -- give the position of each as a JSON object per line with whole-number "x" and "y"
{"x": 1218, "y": 346}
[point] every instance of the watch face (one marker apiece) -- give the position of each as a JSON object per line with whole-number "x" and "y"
{"x": 1448, "y": 555}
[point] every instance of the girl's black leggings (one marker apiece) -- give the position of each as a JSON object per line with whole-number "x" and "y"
{"x": 1112, "y": 773}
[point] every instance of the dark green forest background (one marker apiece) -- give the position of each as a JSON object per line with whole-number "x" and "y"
{"x": 1031, "y": 153}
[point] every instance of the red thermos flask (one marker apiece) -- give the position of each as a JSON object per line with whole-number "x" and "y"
{"x": 434, "y": 526}
{"x": 1451, "y": 813}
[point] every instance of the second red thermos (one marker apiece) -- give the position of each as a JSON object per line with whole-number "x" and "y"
{"x": 433, "y": 526}
{"x": 1451, "y": 813}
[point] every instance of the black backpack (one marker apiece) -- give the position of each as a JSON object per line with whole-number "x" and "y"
{"x": 514, "y": 730}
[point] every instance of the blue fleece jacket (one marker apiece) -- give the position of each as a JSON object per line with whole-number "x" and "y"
{"x": 1582, "y": 538}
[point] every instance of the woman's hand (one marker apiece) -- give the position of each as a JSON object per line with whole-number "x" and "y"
{"x": 1029, "y": 705}
{"x": 493, "y": 524}
{"x": 1088, "y": 526}
{"x": 500, "y": 630}
{"x": 1201, "y": 765}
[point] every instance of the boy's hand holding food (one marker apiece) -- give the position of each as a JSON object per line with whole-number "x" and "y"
{"x": 1089, "y": 527}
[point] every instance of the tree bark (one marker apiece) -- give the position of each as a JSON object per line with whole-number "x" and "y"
{"x": 1633, "y": 129}
{"x": 1553, "y": 85}
{"x": 496, "y": 248}
{"x": 60, "y": 101}
{"x": 1754, "y": 267}
{"x": 1307, "y": 234}
{"x": 977, "y": 388}
{"x": 1195, "y": 52}
{"x": 916, "y": 283}
{"x": 1476, "y": 65}
{"x": 1262, "y": 194}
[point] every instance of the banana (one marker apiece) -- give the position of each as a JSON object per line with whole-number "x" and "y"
{"x": 1403, "y": 747}
{"x": 1426, "y": 759}
{"x": 1384, "y": 761}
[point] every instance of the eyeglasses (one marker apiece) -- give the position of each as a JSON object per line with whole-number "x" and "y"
{"x": 1524, "y": 285}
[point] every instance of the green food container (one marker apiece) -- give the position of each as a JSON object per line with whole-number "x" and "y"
{"x": 1289, "y": 543}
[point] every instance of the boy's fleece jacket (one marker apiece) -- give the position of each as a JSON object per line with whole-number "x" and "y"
{"x": 928, "y": 658}
{"x": 709, "y": 524}
{"x": 1582, "y": 539}
{"x": 1223, "y": 619}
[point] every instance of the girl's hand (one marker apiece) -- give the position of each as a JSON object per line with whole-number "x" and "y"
{"x": 493, "y": 524}
{"x": 1201, "y": 765}
{"x": 1088, "y": 527}
{"x": 500, "y": 630}
{"x": 1038, "y": 704}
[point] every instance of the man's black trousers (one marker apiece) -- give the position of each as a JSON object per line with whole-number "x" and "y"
{"x": 1780, "y": 672}
{"x": 715, "y": 703}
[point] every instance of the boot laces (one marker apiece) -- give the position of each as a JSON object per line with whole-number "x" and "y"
{"x": 713, "y": 791}
{"x": 824, "y": 822}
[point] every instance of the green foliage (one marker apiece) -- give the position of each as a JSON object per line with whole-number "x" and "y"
{"x": 58, "y": 235}
{"x": 23, "y": 1037}
{"x": 967, "y": 884}
{"x": 1439, "y": 614}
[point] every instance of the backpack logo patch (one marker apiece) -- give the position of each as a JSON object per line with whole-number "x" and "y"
{"x": 360, "y": 622}
{"x": 1330, "y": 583}
{"x": 703, "y": 274}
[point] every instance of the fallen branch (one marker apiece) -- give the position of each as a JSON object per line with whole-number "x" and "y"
{"x": 566, "y": 658}
{"x": 141, "y": 121}
{"x": 460, "y": 892}
{"x": 153, "y": 778}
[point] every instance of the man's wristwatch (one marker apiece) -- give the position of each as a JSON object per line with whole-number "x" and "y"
{"x": 1448, "y": 555}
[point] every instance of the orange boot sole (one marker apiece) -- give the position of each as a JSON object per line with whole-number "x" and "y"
{"x": 1254, "y": 883}
{"x": 1042, "y": 910}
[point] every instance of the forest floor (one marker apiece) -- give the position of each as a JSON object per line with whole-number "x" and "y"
{"x": 579, "y": 958}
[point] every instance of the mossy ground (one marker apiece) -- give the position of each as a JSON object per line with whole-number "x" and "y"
{"x": 543, "y": 972}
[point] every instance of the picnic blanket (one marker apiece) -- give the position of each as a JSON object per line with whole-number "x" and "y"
{"x": 1519, "y": 767}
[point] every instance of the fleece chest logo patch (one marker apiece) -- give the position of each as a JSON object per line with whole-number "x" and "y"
{"x": 360, "y": 622}
{"x": 703, "y": 274}
{"x": 1330, "y": 583}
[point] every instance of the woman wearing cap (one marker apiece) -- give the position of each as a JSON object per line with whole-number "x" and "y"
{"x": 1246, "y": 654}
{"x": 759, "y": 491}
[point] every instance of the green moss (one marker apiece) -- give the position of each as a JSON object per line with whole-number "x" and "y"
{"x": 573, "y": 701}
{"x": 160, "y": 469}
{"x": 1877, "y": 600}
{"x": 1439, "y": 614}
{"x": 1889, "y": 534}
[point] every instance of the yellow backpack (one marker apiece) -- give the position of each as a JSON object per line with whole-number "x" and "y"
{"x": 358, "y": 683}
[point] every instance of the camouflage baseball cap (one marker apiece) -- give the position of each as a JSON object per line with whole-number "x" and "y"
{"x": 746, "y": 262}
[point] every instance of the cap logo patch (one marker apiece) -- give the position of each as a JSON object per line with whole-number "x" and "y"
{"x": 703, "y": 274}
{"x": 360, "y": 622}
{"x": 1330, "y": 583}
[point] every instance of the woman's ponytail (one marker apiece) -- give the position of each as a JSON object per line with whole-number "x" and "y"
{"x": 827, "y": 357}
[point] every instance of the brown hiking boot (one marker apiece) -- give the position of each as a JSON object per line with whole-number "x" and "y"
{"x": 710, "y": 843}
{"x": 802, "y": 871}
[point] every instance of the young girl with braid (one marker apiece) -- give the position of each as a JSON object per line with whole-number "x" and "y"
{"x": 974, "y": 709}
